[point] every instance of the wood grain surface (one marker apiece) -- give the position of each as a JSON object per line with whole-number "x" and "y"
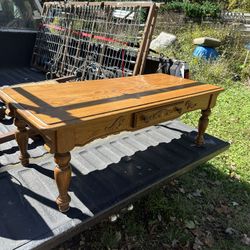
{"x": 54, "y": 105}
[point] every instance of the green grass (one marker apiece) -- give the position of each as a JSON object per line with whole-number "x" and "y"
{"x": 209, "y": 207}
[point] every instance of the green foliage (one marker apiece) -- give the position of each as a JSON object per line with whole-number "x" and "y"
{"x": 240, "y": 5}
{"x": 211, "y": 8}
{"x": 232, "y": 53}
{"x": 194, "y": 10}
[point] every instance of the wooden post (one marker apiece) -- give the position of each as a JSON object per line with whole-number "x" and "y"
{"x": 202, "y": 126}
{"x": 62, "y": 175}
{"x": 22, "y": 138}
{"x": 147, "y": 35}
{"x": 148, "y": 39}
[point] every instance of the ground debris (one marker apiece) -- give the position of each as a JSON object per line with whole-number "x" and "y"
{"x": 197, "y": 193}
{"x": 231, "y": 231}
{"x": 245, "y": 240}
{"x": 235, "y": 203}
{"x": 209, "y": 239}
{"x": 190, "y": 224}
{"x": 198, "y": 244}
{"x": 223, "y": 209}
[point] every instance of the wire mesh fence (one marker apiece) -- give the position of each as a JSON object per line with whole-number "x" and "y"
{"x": 94, "y": 40}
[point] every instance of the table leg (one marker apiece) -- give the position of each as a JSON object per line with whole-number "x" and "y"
{"x": 62, "y": 174}
{"x": 22, "y": 138}
{"x": 202, "y": 126}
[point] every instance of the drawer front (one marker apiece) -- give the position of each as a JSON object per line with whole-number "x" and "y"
{"x": 156, "y": 115}
{"x": 168, "y": 112}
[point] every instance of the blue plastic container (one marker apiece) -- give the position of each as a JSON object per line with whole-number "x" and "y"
{"x": 205, "y": 53}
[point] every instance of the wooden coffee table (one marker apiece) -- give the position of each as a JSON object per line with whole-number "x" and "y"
{"x": 73, "y": 114}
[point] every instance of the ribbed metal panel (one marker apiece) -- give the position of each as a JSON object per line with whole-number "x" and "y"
{"x": 106, "y": 173}
{"x": 99, "y": 154}
{"x": 12, "y": 76}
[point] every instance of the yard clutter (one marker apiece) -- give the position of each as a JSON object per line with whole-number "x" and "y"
{"x": 206, "y": 48}
{"x": 162, "y": 41}
{"x": 207, "y": 41}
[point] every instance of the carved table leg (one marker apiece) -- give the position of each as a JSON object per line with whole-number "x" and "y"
{"x": 62, "y": 174}
{"x": 22, "y": 138}
{"x": 203, "y": 123}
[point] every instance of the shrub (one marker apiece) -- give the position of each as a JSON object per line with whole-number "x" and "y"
{"x": 243, "y": 5}
{"x": 194, "y": 10}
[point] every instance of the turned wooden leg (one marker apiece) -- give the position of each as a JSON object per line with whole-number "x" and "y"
{"x": 22, "y": 138}
{"x": 202, "y": 126}
{"x": 62, "y": 174}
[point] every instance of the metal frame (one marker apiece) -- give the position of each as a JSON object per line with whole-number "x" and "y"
{"x": 68, "y": 33}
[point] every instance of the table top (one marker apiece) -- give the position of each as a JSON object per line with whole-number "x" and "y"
{"x": 51, "y": 105}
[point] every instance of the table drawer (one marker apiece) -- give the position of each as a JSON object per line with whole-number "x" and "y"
{"x": 156, "y": 115}
{"x": 168, "y": 112}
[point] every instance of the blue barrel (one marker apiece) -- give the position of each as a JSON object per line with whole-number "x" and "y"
{"x": 205, "y": 52}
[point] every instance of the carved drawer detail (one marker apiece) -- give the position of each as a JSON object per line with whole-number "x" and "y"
{"x": 116, "y": 125}
{"x": 102, "y": 128}
{"x": 156, "y": 115}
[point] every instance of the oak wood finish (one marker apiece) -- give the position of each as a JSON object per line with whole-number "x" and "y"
{"x": 62, "y": 175}
{"x": 202, "y": 126}
{"x": 75, "y": 113}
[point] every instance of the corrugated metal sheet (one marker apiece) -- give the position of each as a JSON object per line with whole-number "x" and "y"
{"x": 12, "y": 76}
{"x": 101, "y": 153}
{"x": 106, "y": 173}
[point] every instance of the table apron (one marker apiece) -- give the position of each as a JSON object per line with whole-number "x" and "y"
{"x": 69, "y": 137}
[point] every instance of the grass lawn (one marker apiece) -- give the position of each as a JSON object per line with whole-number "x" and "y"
{"x": 208, "y": 207}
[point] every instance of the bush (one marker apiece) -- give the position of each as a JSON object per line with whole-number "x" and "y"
{"x": 243, "y": 5}
{"x": 194, "y": 10}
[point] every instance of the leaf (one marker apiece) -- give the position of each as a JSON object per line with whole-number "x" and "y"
{"x": 182, "y": 190}
{"x": 223, "y": 209}
{"x": 235, "y": 176}
{"x": 245, "y": 240}
{"x": 217, "y": 183}
{"x": 209, "y": 239}
{"x": 197, "y": 193}
{"x": 172, "y": 218}
{"x": 174, "y": 243}
{"x": 118, "y": 236}
{"x": 190, "y": 224}
{"x": 197, "y": 244}
{"x": 210, "y": 218}
{"x": 159, "y": 217}
{"x": 231, "y": 231}
{"x": 235, "y": 203}
{"x": 197, "y": 232}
